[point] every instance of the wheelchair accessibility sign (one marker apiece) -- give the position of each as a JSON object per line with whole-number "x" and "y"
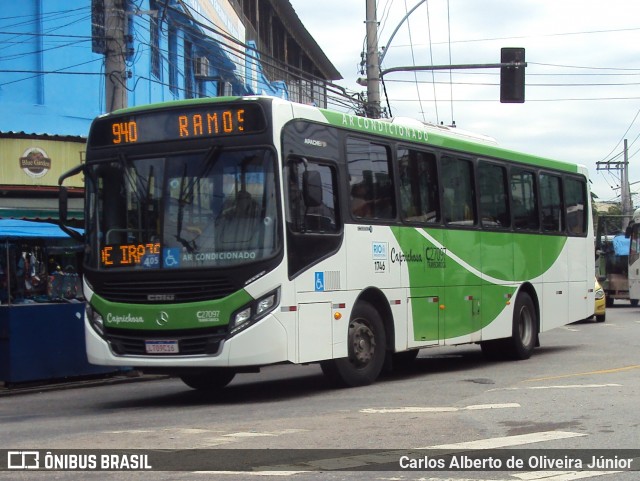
{"x": 171, "y": 257}
{"x": 319, "y": 281}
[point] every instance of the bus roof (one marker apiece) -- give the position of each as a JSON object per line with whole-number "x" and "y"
{"x": 400, "y": 128}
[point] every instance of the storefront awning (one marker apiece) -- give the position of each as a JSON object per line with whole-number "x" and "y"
{"x": 20, "y": 229}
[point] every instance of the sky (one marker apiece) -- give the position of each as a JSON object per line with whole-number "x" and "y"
{"x": 582, "y": 77}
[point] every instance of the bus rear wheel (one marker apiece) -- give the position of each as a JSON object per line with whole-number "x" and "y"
{"x": 525, "y": 328}
{"x": 208, "y": 380}
{"x": 524, "y": 334}
{"x": 366, "y": 341}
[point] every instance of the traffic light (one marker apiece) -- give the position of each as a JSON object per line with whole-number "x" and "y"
{"x": 512, "y": 77}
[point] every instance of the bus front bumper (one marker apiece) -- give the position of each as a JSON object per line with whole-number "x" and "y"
{"x": 260, "y": 344}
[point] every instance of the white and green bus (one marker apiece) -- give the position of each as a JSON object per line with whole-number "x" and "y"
{"x": 227, "y": 234}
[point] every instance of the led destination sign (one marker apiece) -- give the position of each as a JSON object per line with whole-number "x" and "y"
{"x": 177, "y": 124}
{"x": 130, "y": 255}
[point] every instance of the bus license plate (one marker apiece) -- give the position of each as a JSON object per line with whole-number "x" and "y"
{"x": 161, "y": 347}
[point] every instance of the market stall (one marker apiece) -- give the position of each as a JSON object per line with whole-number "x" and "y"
{"x": 41, "y": 304}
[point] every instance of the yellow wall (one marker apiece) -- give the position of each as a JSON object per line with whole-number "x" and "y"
{"x": 64, "y": 155}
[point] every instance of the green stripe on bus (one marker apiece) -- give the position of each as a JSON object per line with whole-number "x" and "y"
{"x": 190, "y": 315}
{"x": 460, "y": 277}
{"x": 424, "y": 135}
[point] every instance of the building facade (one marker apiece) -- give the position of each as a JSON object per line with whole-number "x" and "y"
{"x": 64, "y": 62}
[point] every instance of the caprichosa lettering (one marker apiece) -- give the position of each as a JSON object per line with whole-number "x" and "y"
{"x": 111, "y": 318}
{"x": 433, "y": 257}
{"x": 400, "y": 257}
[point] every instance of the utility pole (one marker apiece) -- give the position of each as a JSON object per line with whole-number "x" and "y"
{"x": 625, "y": 192}
{"x": 373, "y": 63}
{"x": 115, "y": 67}
{"x": 626, "y": 205}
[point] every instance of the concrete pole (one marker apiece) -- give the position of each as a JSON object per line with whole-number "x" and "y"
{"x": 373, "y": 63}
{"x": 115, "y": 67}
{"x": 625, "y": 189}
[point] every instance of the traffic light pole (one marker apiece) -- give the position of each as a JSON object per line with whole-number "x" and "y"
{"x": 511, "y": 66}
{"x": 511, "y": 73}
{"x": 415, "y": 68}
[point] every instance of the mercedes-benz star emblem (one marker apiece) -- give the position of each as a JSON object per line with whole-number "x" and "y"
{"x": 162, "y": 318}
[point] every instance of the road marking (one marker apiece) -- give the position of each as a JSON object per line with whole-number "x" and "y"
{"x": 131, "y": 431}
{"x": 252, "y": 473}
{"x": 506, "y": 441}
{"x": 590, "y": 373}
{"x": 561, "y": 475}
{"x": 239, "y": 436}
{"x": 247, "y": 435}
{"x": 392, "y": 456}
{"x": 424, "y": 409}
{"x": 526, "y": 476}
{"x": 568, "y": 386}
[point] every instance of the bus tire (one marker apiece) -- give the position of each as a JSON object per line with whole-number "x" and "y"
{"x": 601, "y": 317}
{"x": 366, "y": 341}
{"x": 208, "y": 380}
{"x": 634, "y": 302}
{"x": 525, "y": 328}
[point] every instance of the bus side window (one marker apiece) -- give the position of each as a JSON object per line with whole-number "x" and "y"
{"x": 418, "y": 186}
{"x": 494, "y": 201}
{"x": 575, "y": 209}
{"x": 371, "y": 184}
{"x": 304, "y": 216}
{"x": 524, "y": 200}
{"x": 551, "y": 203}
{"x": 458, "y": 191}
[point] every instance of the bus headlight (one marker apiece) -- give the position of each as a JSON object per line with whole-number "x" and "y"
{"x": 242, "y": 317}
{"x": 254, "y": 311}
{"x": 266, "y": 304}
{"x": 95, "y": 318}
{"x": 599, "y": 293}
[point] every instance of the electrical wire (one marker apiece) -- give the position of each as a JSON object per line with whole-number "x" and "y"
{"x": 413, "y": 59}
{"x": 453, "y": 121}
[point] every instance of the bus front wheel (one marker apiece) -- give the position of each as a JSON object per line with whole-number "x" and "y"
{"x": 366, "y": 341}
{"x": 208, "y": 380}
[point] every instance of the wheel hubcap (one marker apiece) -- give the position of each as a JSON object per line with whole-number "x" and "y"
{"x": 363, "y": 343}
{"x": 526, "y": 326}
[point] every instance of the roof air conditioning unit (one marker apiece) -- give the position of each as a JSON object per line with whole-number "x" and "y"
{"x": 201, "y": 67}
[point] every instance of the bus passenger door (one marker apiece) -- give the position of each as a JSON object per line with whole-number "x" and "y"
{"x": 315, "y": 336}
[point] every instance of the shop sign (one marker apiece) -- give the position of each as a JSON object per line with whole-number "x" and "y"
{"x": 35, "y": 162}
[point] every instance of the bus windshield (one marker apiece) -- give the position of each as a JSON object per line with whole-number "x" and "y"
{"x": 188, "y": 210}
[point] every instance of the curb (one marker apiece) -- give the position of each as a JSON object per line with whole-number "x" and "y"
{"x": 62, "y": 385}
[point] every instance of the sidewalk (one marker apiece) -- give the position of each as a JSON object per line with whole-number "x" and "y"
{"x": 75, "y": 383}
